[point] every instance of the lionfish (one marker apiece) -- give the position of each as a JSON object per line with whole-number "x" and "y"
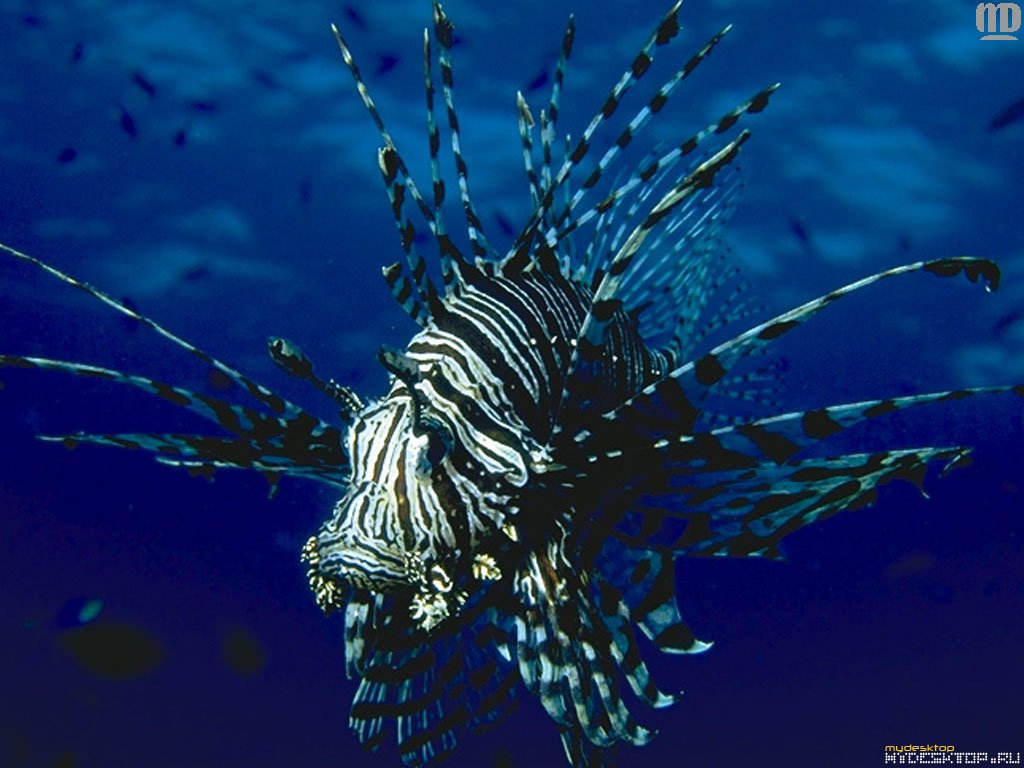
{"x": 570, "y": 417}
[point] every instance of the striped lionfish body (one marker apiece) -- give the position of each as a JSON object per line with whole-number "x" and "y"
{"x": 572, "y": 415}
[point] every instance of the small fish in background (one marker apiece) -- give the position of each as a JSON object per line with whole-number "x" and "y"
{"x": 198, "y": 271}
{"x": 503, "y": 759}
{"x": 66, "y": 759}
{"x": 77, "y": 612}
{"x": 33, "y": 21}
{"x": 800, "y": 232}
{"x": 15, "y": 747}
{"x": 305, "y": 191}
{"x": 1006, "y": 322}
{"x": 505, "y": 225}
{"x": 420, "y": 237}
{"x": 913, "y": 564}
{"x": 297, "y": 56}
{"x": 203, "y": 105}
{"x": 180, "y": 137}
{"x": 914, "y": 571}
{"x": 77, "y": 53}
{"x": 904, "y": 245}
{"x": 538, "y": 82}
{"x": 67, "y": 155}
{"x": 144, "y": 83}
{"x": 242, "y": 651}
{"x": 265, "y": 78}
{"x": 1008, "y": 115}
{"x": 116, "y": 650}
{"x": 200, "y": 106}
{"x": 385, "y": 63}
{"x": 355, "y": 17}
{"x": 127, "y": 123}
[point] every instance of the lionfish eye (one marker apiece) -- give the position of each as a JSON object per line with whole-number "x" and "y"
{"x": 438, "y": 443}
{"x": 437, "y": 447}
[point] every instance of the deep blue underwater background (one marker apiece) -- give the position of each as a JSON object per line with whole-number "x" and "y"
{"x": 211, "y": 162}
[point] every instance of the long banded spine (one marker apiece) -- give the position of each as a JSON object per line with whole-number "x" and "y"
{"x": 443, "y": 33}
{"x": 667, "y": 29}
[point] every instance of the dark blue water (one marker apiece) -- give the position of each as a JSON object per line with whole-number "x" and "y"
{"x": 211, "y": 163}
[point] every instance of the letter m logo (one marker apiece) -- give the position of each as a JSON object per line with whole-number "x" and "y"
{"x": 997, "y": 21}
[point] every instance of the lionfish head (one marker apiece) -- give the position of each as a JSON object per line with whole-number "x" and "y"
{"x": 399, "y": 452}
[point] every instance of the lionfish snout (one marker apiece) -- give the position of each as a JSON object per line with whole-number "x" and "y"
{"x": 358, "y": 547}
{"x": 351, "y": 552}
{"x": 336, "y": 567}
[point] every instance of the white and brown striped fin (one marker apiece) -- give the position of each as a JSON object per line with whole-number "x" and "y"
{"x": 741, "y": 488}
{"x": 775, "y": 439}
{"x": 395, "y": 693}
{"x": 298, "y": 444}
{"x": 433, "y": 135}
{"x": 313, "y": 445}
{"x": 560, "y": 645}
{"x": 526, "y": 125}
{"x": 662, "y": 276}
{"x": 389, "y": 142}
{"x": 422, "y": 691}
{"x": 610, "y": 226}
{"x": 617, "y": 617}
{"x": 606, "y": 296}
{"x": 277, "y": 404}
{"x": 711, "y": 367}
{"x": 234, "y": 418}
{"x": 734, "y": 298}
{"x": 443, "y": 34}
{"x": 742, "y": 397}
{"x": 679, "y": 395}
{"x": 780, "y": 438}
{"x": 547, "y": 141}
{"x": 683, "y": 284}
{"x": 647, "y": 171}
{"x": 401, "y": 287}
{"x": 646, "y": 577}
{"x": 747, "y": 511}
{"x": 410, "y": 285}
{"x": 550, "y": 121}
{"x": 204, "y": 455}
{"x": 519, "y": 257}
{"x": 589, "y": 350}
{"x": 632, "y": 129}
{"x": 548, "y": 127}
{"x": 421, "y": 299}
{"x": 451, "y": 259}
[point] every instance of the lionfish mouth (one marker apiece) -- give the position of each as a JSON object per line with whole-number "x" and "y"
{"x": 337, "y": 565}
